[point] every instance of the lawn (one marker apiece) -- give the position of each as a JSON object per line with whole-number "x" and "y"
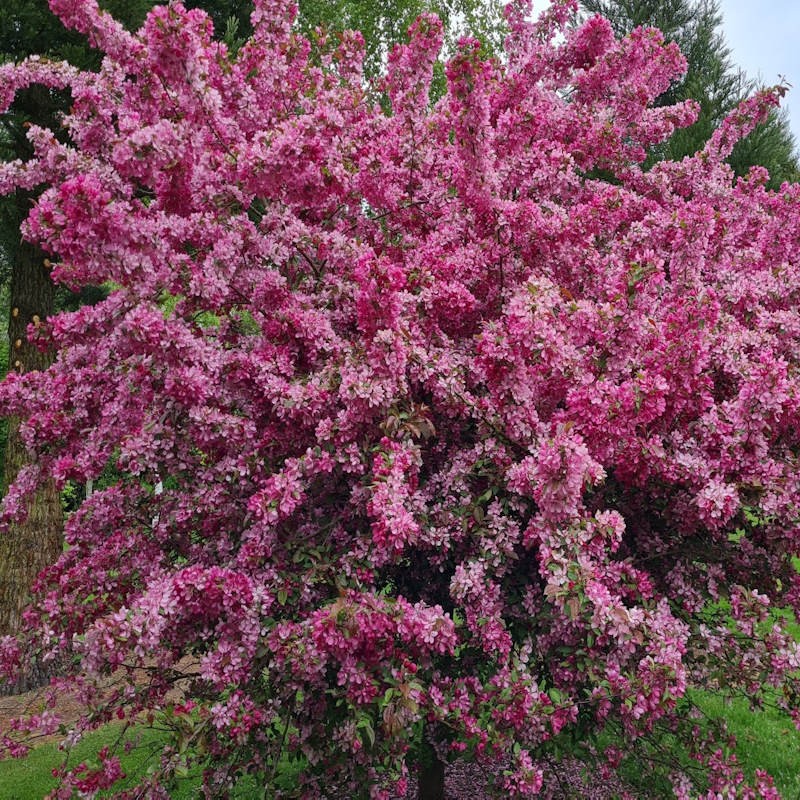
{"x": 766, "y": 741}
{"x": 31, "y": 778}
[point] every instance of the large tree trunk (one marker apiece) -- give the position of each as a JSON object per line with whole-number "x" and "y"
{"x": 30, "y": 546}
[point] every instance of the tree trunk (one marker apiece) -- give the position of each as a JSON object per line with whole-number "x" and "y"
{"x": 431, "y": 775}
{"x": 30, "y": 546}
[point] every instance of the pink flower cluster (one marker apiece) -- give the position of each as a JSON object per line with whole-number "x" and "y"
{"x": 410, "y": 419}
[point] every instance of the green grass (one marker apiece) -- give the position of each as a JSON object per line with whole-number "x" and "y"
{"x": 31, "y": 778}
{"x": 766, "y": 739}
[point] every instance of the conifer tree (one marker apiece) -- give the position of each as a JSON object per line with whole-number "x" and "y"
{"x": 712, "y": 79}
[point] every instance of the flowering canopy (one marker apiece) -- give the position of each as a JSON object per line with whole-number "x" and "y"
{"x": 409, "y": 413}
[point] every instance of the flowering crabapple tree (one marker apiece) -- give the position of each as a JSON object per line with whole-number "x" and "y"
{"x": 426, "y": 423}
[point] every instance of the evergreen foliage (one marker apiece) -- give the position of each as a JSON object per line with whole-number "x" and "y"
{"x": 711, "y": 78}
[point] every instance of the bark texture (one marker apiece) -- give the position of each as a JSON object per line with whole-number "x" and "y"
{"x": 34, "y": 544}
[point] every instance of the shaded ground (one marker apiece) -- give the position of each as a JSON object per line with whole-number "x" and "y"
{"x": 465, "y": 781}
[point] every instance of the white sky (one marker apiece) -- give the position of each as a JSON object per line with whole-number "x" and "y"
{"x": 765, "y": 42}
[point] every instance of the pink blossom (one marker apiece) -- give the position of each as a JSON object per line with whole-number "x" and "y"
{"x": 400, "y": 416}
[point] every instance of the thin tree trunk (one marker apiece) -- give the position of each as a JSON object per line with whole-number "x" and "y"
{"x": 431, "y": 781}
{"x": 30, "y": 546}
{"x": 430, "y": 775}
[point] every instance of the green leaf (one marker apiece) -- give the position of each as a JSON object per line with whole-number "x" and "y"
{"x": 365, "y": 725}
